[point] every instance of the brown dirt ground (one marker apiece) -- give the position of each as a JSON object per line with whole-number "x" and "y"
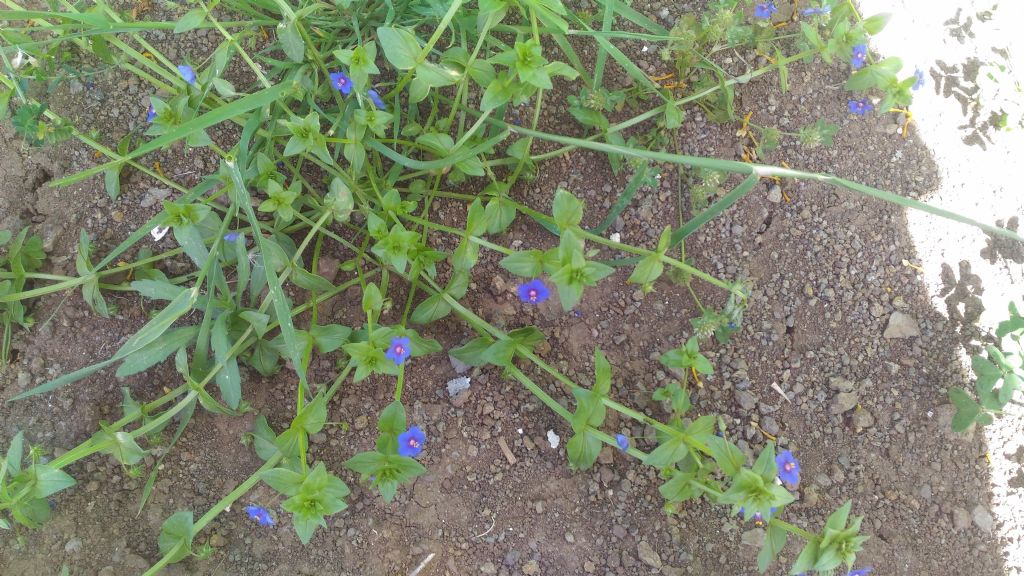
{"x": 828, "y": 271}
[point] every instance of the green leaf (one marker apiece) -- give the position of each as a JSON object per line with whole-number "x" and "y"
{"x": 285, "y": 481}
{"x": 431, "y": 309}
{"x": 176, "y": 535}
{"x": 155, "y": 352}
{"x": 728, "y": 457}
{"x": 473, "y": 352}
{"x": 308, "y": 281}
{"x": 678, "y": 488}
{"x": 773, "y": 544}
{"x": 190, "y": 21}
{"x": 372, "y": 299}
{"x": 566, "y": 209}
{"x": 124, "y": 447}
{"x": 765, "y": 465}
{"x": 527, "y": 263}
{"x": 876, "y": 23}
{"x": 876, "y": 75}
{"x": 668, "y": 453}
{"x": 112, "y": 182}
{"x": 582, "y": 450}
{"x": 647, "y": 270}
{"x": 291, "y": 40}
{"x": 967, "y": 410}
{"x": 229, "y": 380}
{"x": 329, "y": 337}
{"x": 400, "y": 47}
{"x": 392, "y": 419}
{"x": 49, "y": 480}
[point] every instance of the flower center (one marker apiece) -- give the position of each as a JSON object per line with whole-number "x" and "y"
{"x": 413, "y": 443}
{"x": 788, "y": 466}
{"x": 399, "y": 349}
{"x": 532, "y": 293}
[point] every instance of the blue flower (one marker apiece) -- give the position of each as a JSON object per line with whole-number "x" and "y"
{"x": 341, "y": 82}
{"x": 764, "y": 10}
{"x": 533, "y": 292}
{"x": 375, "y": 98}
{"x": 399, "y": 350}
{"x": 150, "y": 114}
{"x": 410, "y": 442}
{"x": 757, "y": 518}
{"x": 187, "y": 73}
{"x": 860, "y": 54}
{"x": 622, "y": 441}
{"x": 789, "y": 468}
{"x": 232, "y": 236}
{"x": 816, "y": 11}
{"x": 860, "y": 107}
{"x": 860, "y": 571}
{"x": 920, "y": 80}
{"x": 259, "y": 514}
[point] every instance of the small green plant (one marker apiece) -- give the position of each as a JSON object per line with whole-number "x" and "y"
{"x": 22, "y": 256}
{"x": 999, "y": 376}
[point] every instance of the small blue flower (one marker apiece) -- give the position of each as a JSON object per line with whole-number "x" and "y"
{"x": 860, "y": 54}
{"x": 622, "y": 441}
{"x": 232, "y": 236}
{"x": 399, "y": 350}
{"x": 816, "y": 11}
{"x": 187, "y": 73}
{"x": 789, "y": 468}
{"x": 150, "y": 114}
{"x": 860, "y": 571}
{"x": 764, "y": 10}
{"x": 375, "y": 98}
{"x": 533, "y": 292}
{"x": 860, "y": 107}
{"x": 259, "y": 514}
{"x": 757, "y": 518}
{"x": 410, "y": 442}
{"x": 341, "y": 82}
{"x": 919, "y": 80}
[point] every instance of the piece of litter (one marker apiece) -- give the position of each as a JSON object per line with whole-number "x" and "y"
{"x": 456, "y": 385}
{"x": 553, "y": 439}
{"x": 615, "y": 237}
{"x": 159, "y": 232}
{"x": 519, "y": 430}
{"x": 775, "y": 387}
{"x": 506, "y": 451}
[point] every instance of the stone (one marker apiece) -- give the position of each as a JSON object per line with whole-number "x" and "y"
{"x": 775, "y": 194}
{"x": 843, "y": 402}
{"x": 983, "y": 518}
{"x": 488, "y": 568}
{"x": 746, "y": 400}
{"x": 862, "y": 419}
{"x": 648, "y": 555}
{"x": 901, "y": 325}
{"x": 753, "y": 538}
{"x": 74, "y": 546}
{"x": 154, "y": 196}
{"x": 531, "y": 568}
{"x": 961, "y": 519}
{"x": 218, "y": 541}
{"x": 840, "y": 384}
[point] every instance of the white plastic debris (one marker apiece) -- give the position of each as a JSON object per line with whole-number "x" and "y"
{"x": 456, "y": 385}
{"x": 615, "y": 237}
{"x": 553, "y": 439}
{"x": 159, "y": 232}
